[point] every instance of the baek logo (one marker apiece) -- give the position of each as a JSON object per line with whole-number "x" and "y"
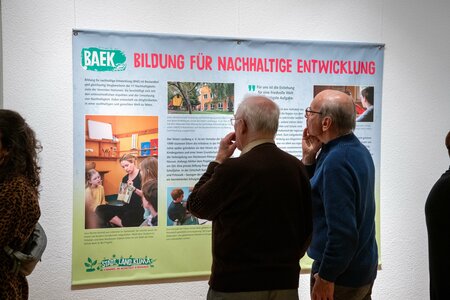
{"x": 116, "y": 264}
{"x": 102, "y": 60}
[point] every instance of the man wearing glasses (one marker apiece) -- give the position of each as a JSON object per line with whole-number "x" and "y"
{"x": 342, "y": 175}
{"x": 260, "y": 206}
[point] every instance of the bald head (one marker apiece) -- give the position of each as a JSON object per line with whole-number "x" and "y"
{"x": 260, "y": 114}
{"x": 339, "y": 107}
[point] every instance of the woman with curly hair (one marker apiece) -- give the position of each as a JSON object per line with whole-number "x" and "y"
{"x": 19, "y": 193}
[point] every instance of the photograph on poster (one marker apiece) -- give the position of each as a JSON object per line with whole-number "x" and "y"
{"x": 362, "y": 97}
{"x": 177, "y": 213}
{"x": 200, "y": 98}
{"x": 114, "y": 174}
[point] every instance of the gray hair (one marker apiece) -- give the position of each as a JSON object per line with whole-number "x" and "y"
{"x": 260, "y": 113}
{"x": 343, "y": 115}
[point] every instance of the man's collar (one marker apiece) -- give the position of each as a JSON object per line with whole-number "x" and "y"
{"x": 255, "y": 143}
{"x": 345, "y": 137}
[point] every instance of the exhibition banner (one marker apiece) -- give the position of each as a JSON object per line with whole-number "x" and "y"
{"x": 149, "y": 112}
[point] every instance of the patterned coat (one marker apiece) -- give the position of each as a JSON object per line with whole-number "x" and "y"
{"x": 19, "y": 211}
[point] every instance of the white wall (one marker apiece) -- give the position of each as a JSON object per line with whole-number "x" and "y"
{"x": 416, "y": 110}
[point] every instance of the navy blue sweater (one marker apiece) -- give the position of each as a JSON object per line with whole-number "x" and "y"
{"x": 343, "y": 244}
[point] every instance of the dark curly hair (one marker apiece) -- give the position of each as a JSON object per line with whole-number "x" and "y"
{"x": 19, "y": 148}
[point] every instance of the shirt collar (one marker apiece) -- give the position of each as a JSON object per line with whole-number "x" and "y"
{"x": 255, "y": 143}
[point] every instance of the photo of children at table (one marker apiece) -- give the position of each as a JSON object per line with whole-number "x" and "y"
{"x": 177, "y": 212}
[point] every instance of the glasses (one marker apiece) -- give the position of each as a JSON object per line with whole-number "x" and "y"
{"x": 234, "y": 120}
{"x": 309, "y": 112}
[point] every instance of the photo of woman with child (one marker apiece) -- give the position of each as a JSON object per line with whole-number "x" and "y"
{"x": 121, "y": 171}
{"x": 127, "y": 214}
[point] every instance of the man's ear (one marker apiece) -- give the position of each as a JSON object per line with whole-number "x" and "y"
{"x": 243, "y": 126}
{"x": 326, "y": 123}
